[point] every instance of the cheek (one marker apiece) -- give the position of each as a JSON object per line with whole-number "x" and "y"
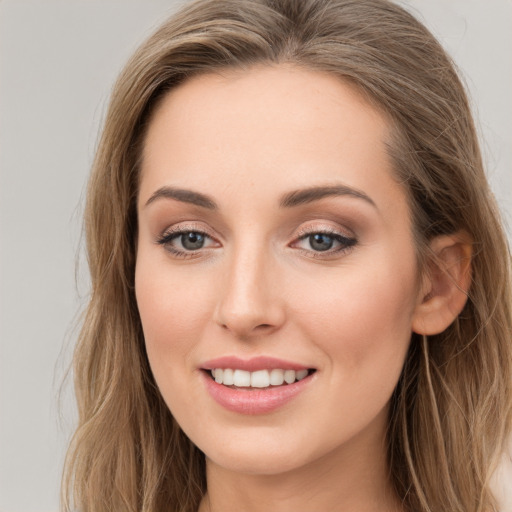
{"x": 365, "y": 319}
{"x": 172, "y": 308}
{"x": 173, "y": 311}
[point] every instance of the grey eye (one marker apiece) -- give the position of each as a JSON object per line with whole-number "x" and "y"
{"x": 320, "y": 242}
{"x": 192, "y": 240}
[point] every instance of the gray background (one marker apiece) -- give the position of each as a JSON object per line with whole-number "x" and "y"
{"x": 58, "y": 60}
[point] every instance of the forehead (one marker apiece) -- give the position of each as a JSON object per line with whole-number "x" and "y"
{"x": 270, "y": 128}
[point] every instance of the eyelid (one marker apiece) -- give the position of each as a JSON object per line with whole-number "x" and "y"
{"x": 344, "y": 239}
{"x": 186, "y": 226}
{"x": 347, "y": 241}
{"x": 325, "y": 228}
{"x": 167, "y": 236}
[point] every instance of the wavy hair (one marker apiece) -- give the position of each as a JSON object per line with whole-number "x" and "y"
{"x": 451, "y": 412}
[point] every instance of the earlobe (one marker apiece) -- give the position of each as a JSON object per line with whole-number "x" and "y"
{"x": 446, "y": 284}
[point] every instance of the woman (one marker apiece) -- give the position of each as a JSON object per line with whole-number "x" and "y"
{"x": 300, "y": 285}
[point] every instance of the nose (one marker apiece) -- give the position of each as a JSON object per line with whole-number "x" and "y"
{"x": 250, "y": 301}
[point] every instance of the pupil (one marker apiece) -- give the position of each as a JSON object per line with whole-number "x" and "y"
{"x": 192, "y": 240}
{"x": 320, "y": 242}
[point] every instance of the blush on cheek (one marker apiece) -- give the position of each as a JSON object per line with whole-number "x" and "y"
{"x": 366, "y": 323}
{"x": 172, "y": 313}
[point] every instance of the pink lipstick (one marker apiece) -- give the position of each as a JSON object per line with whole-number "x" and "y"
{"x": 253, "y": 364}
{"x": 256, "y": 386}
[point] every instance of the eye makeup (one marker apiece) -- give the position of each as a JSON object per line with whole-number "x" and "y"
{"x": 187, "y": 241}
{"x": 323, "y": 242}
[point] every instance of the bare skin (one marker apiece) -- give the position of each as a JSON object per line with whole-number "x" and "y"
{"x": 230, "y": 264}
{"x": 326, "y": 484}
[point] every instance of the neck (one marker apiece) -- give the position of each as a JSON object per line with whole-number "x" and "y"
{"x": 352, "y": 478}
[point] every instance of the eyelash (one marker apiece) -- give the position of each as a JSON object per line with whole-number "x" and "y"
{"x": 345, "y": 243}
{"x": 167, "y": 238}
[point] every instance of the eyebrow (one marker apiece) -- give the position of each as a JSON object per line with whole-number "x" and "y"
{"x": 289, "y": 200}
{"x": 185, "y": 196}
{"x": 309, "y": 195}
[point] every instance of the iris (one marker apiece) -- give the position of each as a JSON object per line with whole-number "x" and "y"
{"x": 192, "y": 240}
{"x": 321, "y": 242}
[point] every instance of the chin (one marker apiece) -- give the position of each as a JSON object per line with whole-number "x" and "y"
{"x": 262, "y": 452}
{"x": 256, "y": 461}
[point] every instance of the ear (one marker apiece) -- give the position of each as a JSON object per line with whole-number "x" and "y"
{"x": 445, "y": 285}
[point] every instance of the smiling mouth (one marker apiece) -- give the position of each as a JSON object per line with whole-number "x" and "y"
{"x": 260, "y": 379}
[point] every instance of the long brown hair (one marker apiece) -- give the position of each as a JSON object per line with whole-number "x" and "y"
{"x": 451, "y": 411}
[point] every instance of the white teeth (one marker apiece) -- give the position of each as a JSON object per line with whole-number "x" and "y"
{"x": 228, "y": 377}
{"x": 289, "y": 376}
{"x": 299, "y": 375}
{"x": 276, "y": 377}
{"x": 218, "y": 375}
{"x": 260, "y": 379}
{"x": 241, "y": 378}
{"x": 257, "y": 379}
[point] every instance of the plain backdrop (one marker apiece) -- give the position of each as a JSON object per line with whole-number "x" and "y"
{"x": 58, "y": 60}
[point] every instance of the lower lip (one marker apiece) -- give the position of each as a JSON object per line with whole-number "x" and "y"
{"x": 255, "y": 400}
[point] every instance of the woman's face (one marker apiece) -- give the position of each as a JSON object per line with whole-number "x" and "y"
{"x": 274, "y": 243}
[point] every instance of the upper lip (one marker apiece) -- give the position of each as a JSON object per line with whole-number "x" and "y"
{"x": 253, "y": 364}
